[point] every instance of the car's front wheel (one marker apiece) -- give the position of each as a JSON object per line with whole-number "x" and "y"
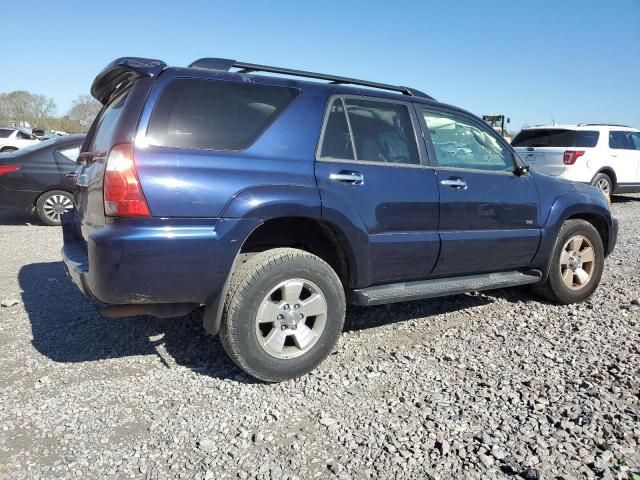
{"x": 577, "y": 263}
{"x": 52, "y": 205}
{"x": 283, "y": 315}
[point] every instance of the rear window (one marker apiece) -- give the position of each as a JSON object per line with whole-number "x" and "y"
{"x": 556, "y": 137}
{"x": 101, "y": 141}
{"x": 5, "y": 133}
{"x": 215, "y": 115}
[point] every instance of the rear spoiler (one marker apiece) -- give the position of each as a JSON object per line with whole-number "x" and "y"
{"x": 121, "y": 72}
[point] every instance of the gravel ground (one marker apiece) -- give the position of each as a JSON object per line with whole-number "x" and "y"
{"x": 495, "y": 385}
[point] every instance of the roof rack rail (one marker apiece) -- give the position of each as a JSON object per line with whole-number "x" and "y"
{"x": 604, "y": 125}
{"x": 227, "y": 64}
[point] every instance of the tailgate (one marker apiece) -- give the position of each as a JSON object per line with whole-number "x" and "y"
{"x": 116, "y": 123}
{"x": 547, "y": 160}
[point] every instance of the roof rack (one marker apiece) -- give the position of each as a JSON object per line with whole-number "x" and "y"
{"x": 603, "y": 125}
{"x": 227, "y": 64}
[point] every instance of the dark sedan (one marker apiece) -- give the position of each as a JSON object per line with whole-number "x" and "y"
{"x": 39, "y": 178}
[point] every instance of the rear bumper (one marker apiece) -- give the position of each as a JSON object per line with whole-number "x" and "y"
{"x": 154, "y": 261}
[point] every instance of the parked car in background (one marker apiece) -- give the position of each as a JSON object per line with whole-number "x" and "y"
{"x": 605, "y": 156}
{"x": 15, "y": 138}
{"x": 273, "y": 202}
{"x": 45, "y": 134}
{"x": 39, "y": 178}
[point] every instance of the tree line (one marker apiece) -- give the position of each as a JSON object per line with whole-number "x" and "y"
{"x": 25, "y": 109}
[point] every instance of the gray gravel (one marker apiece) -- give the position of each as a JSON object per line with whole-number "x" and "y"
{"x": 495, "y": 385}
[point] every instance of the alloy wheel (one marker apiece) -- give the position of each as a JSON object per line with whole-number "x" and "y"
{"x": 291, "y": 318}
{"x": 603, "y": 185}
{"x": 55, "y": 206}
{"x": 577, "y": 262}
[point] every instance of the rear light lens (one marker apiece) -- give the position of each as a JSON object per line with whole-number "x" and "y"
{"x": 570, "y": 156}
{"x": 4, "y": 169}
{"x": 123, "y": 195}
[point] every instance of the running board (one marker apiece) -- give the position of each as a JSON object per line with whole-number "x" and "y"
{"x": 439, "y": 287}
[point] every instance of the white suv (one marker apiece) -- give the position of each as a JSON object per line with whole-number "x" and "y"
{"x": 14, "y": 139}
{"x": 606, "y": 156}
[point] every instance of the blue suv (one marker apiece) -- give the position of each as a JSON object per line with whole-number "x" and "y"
{"x": 273, "y": 201}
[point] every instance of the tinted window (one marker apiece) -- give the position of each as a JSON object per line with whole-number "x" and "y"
{"x": 5, "y": 133}
{"x": 621, "y": 140}
{"x": 556, "y": 137}
{"x": 635, "y": 138}
{"x": 107, "y": 122}
{"x": 461, "y": 143}
{"x": 336, "y": 142}
{"x": 382, "y": 132}
{"x": 215, "y": 115}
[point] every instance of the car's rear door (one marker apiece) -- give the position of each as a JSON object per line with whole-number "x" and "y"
{"x": 489, "y": 215}
{"x": 625, "y": 158}
{"x": 376, "y": 186}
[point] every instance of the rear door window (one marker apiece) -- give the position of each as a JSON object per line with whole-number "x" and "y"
{"x": 621, "y": 140}
{"x": 337, "y": 142}
{"x": 635, "y": 139}
{"x": 556, "y": 137}
{"x": 215, "y": 115}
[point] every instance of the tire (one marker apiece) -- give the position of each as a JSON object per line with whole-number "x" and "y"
{"x": 603, "y": 182}
{"x": 565, "y": 283}
{"x": 260, "y": 290}
{"x": 52, "y": 204}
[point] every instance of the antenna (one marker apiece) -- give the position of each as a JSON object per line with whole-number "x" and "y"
{"x": 553, "y": 120}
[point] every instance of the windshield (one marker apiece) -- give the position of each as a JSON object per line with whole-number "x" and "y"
{"x": 5, "y": 132}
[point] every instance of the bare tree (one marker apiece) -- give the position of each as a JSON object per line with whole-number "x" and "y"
{"x": 84, "y": 110}
{"x": 42, "y": 108}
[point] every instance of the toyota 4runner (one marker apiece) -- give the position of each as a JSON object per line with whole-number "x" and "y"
{"x": 273, "y": 201}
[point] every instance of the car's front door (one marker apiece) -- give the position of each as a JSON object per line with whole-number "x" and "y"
{"x": 375, "y": 185}
{"x": 489, "y": 215}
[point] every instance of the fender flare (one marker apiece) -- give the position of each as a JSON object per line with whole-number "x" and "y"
{"x": 566, "y": 206}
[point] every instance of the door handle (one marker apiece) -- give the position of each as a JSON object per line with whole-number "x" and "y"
{"x": 456, "y": 183}
{"x": 347, "y": 176}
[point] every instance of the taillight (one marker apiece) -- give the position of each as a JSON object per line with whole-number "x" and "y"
{"x": 123, "y": 195}
{"x": 570, "y": 156}
{"x": 4, "y": 169}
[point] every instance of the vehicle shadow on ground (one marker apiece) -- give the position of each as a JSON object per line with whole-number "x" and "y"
{"x": 624, "y": 199}
{"x": 67, "y": 328}
{"x": 9, "y": 217}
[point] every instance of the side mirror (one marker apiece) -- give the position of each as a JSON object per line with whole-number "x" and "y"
{"x": 508, "y": 120}
{"x": 521, "y": 170}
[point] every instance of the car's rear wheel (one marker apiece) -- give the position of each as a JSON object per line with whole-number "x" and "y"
{"x": 577, "y": 264}
{"x": 603, "y": 182}
{"x": 283, "y": 315}
{"x": 52, "y": 205}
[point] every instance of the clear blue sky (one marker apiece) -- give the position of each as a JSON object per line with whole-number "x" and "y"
{"x": 576, "y": 59}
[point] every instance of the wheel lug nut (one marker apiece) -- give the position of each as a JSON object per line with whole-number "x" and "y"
{"x": 283, "y": 327}
{"x": 296, "y": 306}
{"x": 280, "y": 316}
{"x": 301, "y": 316}
{"x": 286, "y": 306}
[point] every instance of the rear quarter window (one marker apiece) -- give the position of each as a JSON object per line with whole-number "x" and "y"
{"x": 215, "y": 115}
